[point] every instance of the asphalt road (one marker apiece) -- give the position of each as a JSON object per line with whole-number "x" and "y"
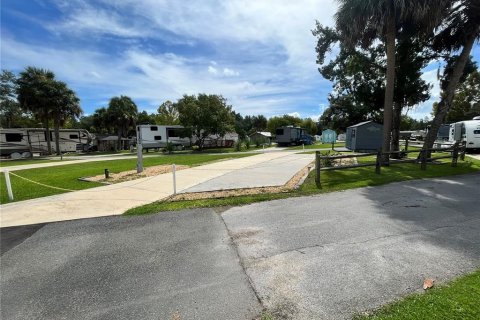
{"x": 334, "y": 255}
{"x": 151, "y": 267}
{"x": 322, "y": 257}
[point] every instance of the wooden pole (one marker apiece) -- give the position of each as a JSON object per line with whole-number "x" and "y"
{"x": 455, "y": 155}
{"x": 378, "y": 162}
{"x": 317, "y": 168}
{"x": 423, "y": 159}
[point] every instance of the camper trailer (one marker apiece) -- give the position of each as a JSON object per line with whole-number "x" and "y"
{"x": 289, "y": 135}
{"x": 157, "y": 136}
{"x": 23, "y": 142}
{"x": 467, "y": 131}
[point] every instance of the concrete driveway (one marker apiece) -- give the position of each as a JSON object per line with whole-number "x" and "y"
{"x": 321, "y": 257}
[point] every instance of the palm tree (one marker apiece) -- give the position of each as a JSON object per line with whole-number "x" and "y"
{"x": 360, "y": 22}
{"x": 33, "y": 94}
{"x": 123, "y": 112}
{"x": 64, "y": 105}
{"x": 461, "y": 30}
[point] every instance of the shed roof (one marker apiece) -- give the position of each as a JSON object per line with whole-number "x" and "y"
{"x": 263, "y": 133}
{"x": 362, "y": 123}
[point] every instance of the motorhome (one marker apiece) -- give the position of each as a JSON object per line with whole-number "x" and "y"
{"x": 467, "y": 131}
{"x": 289, "y": 135}
{"x": 157, "y": 136}
{"x": 23, "y": 142}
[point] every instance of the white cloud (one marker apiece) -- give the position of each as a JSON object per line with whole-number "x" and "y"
{"x": 230, "y": 73}
{"x": 212, "y": 70}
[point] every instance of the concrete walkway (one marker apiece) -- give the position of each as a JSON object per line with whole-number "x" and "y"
{"x": 117, "y": 198}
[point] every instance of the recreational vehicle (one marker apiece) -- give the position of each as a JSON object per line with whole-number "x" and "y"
{"x": 156, "y": 136}
{"x": 288, "y": 135}
{"x": 467, "y": 131}
{"x": 23, "y": 142}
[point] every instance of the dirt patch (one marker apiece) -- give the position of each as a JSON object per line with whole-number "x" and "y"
{"x": 132, "y": 174}
{"x": 344, "y": 162}
{"x": 293, "y": 183}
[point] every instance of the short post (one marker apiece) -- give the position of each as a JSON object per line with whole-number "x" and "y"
{"x": 333, "y": 144}
{"x": 462, "y": 151}
{"x": 378, "y": 162}
{"x": 423, "y": 159}
{"x": 317, "y": 168}
{"x": 406, "y": 144}
{"x": 9, "y": 185}
{"x": 174, "y": 179}
{"x": 455, "y": 155}
{"x": 107, "y": 174}
{"x": 303, "y": 146}
{"x": 139, "y": 158}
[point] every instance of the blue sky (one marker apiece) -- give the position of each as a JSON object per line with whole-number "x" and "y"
{"x": 260, "y": 55}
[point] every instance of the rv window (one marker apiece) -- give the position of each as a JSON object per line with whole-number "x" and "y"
{"x": 279, "y": 132}
{"x": 153, "y": 128}
{"x": 476, "y": 131}
{"x": 13, "y": 137}
{"x": 177, "y": 132}
{"x": 74, "y": 136}
{"x": 158, "y": 137}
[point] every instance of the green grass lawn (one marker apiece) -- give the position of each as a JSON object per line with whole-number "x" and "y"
{"x": 66, "y": 176}
{"x": 459, "y": 299}
{"x": 330, "y": 181}
{"x": 19, "y": 162}
{"x": 318, "y": 146}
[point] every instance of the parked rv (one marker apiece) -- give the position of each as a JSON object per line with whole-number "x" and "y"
{"x": 467, "y": 131}
{"x": 289, "y": 135}
{"x": 23, "y": 142}
{"x": 157, "y": 136}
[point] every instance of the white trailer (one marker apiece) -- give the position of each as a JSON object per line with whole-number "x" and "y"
{"x": 467, "y": 131}
{"x": 157, "y": 136}
{"x": 23, "y": 142}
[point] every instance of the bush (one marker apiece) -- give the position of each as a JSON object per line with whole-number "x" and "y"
{"x": 169, "y": 148}
{"x": 238, "y": 145}
{"x": 247, "y": 144}
{"x": 257, "y": 143}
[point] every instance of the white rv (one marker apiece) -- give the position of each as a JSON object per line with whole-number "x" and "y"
{"x": 157, "y": 136}
{"x": 467, "y": 131}
{"x": 23, "y": 142}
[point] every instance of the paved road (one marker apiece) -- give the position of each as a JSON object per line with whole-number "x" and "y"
{"x": 117, "y": 198}
{"x": 332, "y": 255}
{"x": 128, "y": 268}
{"x": 321, "y": 257}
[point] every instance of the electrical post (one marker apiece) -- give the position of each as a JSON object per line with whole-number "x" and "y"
{"x": 139, "y": 151}
{"x": 9, "y": 185}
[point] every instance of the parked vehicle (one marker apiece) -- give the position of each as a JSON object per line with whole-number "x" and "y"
{"x": 467, "y": 131}
{"x": 289, "y": 135}
{"x": 23, "y": 142}
{"x": 157, "y": 136}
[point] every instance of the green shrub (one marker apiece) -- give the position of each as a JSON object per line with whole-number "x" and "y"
{"x": 169, "y": 148}
{"x": 247, "y": 144}
{"x": 238, "y": 145}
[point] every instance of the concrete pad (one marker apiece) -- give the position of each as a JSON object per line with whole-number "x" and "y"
{"x": 117, "y": 198}
{"x": 333, "y": 255}
{"x": 275, "y": 172}
{"x": 148, "y": 267}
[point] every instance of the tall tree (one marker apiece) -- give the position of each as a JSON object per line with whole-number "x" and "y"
{"x": 361, "y": 22}
{"x": 285, "y": 120}
{"x": 123, "y": 112}
{"x": 101, "y": 121}
{"x": 64, "y": 105}
{"x": 205, "y": 115}
{"x": 34, "y": 88}
{"x": 167, "y": 113}
{"x": 460, "y": 30}
{"x": 9, "y": 107}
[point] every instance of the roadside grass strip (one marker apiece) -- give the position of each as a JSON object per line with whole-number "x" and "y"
{"x": 459, "y": 299}
{"x": 337, "y": 180}
{"x": 27, "y": 184}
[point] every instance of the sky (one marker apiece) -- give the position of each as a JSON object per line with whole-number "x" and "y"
{"x": 260, "y": 55}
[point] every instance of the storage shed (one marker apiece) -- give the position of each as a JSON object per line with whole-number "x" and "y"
{"x": 261, "y": 137}
{"x": 364, "y": 136}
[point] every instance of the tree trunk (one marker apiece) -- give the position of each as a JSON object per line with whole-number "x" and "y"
{"x": 397, "y": 116}
{"x": 447, "y": 96}
{"x": 47, "y": 135}
{"x": 56, "y": 125}
{"x": 389, "y": 87}
{"x": 119, "y": 140}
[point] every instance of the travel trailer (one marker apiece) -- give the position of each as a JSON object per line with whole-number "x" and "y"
{"x": 157, "y": 136}
{"x": 23, "y": 142}
{"x": 467, "y": 131}
{"x": 289, "y": 135}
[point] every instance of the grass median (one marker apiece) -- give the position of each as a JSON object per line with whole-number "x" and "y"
{"x": 318, "y": 146}
{"x": 459, "y": 299}
{"x": 331, "y": 181}
{"x": 66, "y": 176}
